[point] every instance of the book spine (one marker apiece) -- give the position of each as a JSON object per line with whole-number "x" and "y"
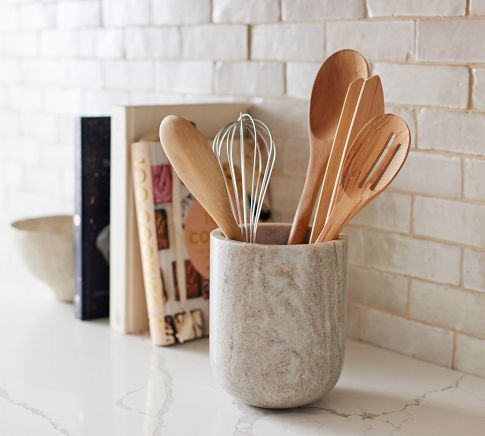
{"x": 145, "y": 217}
{"x": 78, "y": 236}
{"x": 117, "y": 276}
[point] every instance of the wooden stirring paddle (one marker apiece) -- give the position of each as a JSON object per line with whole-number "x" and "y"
{"x": 364, "y": 101}
{"x": 327, "y": 99}
{"x": 195, "y": 163}
{"x": 374, "y": 159}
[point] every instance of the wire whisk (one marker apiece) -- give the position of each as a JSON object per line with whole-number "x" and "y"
{"x": 246, "y": 153}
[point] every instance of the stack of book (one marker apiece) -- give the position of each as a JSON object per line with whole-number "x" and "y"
{"x": 132, "y": 210}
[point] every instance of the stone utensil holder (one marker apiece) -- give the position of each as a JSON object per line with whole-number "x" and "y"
{"x": 277, "y": 317}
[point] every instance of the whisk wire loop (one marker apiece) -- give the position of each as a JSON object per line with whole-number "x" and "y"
{"x": 257, "y": 155}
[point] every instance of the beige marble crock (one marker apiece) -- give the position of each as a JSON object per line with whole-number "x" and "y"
{"x": 277, "y": 317}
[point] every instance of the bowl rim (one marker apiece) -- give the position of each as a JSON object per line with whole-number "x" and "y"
{"x": 17, "y": 225}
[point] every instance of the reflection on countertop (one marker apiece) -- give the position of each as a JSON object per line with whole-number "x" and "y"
{"x": 61, "y": 376}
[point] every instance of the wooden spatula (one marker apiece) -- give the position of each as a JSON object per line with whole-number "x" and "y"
{"x": 195, "y": 163}
{"x": 328, "y": 95}
{"x": 364, "y": 100}
{"x": 368, "y": 169}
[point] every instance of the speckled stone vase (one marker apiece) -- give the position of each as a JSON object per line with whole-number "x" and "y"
{"x": 277, "y": 325}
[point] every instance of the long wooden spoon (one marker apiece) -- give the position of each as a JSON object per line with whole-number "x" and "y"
{"x": 368, "y": 169}
{"x": 364, "y": 101}
{"x": 195, "y": 163}
{"x": 327, "y": 99}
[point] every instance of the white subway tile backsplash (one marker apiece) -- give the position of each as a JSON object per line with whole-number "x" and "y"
{"x": 448, "y": 307}
{"x": 416, "y": 8}
{"x": 477, "y": 7}
{"x": 377, "y": 289}
{"x": 26, "y": 151}
{"x": 457, "y": 132}
{"x": 470, "y": 355}
{"x": 20, "y": 44}
{"x": 424, "y": 173}
{"x": 376, "y": 40}
{"x": 249, "y": 11}
{"x": 181, "y": 11}
{"x": 153, "y": 43}
{"x": 408, "y": 115}
{"x": 454, "y": 221}
{"x": 315, "y": 10}
{"x": 100, "y": 43}
{"x": 288, "y": 121}
{"x": 391, "y": 211}
{"x": 84, "y": 73}
{"x": 101, "y": 102}
{"x": 79, "y": 13}
{"x": 300, "y": 77}
{"x": 450, "y": 40}
{"x": 9, "y": 17}
{"x": 434, "y": 345}
{"x": 63, "y": 101}
{"x": 28, "y": 98}
{"x": 299, "y": 42}
{"x": 126, "y": 12}
{"x": 39, "y": 126}
{"x": 474, "y": 269}
{"x": 357, "y": 244}
{"x": 14, "y": 175}
{"x": 415, "y": 257}
{"x": 9, "y": 70}
{"x": 250, "y": 78}
{"x": 129, "y": 74}
{"x": 10, "y": 122}
{"x": 354, "y": 318}
{"x": 478, "y": 96}
{"x": 44, "y": 180}
{"x": 474, "y": 179}
{"x": 56, "y": 43}
{"x": 421, "y": 85}
{"x": 187, "y": 76}
{"x": 40, "y": 71}
{"x": 222, "y": 42}
{"x": 37, "y": 15}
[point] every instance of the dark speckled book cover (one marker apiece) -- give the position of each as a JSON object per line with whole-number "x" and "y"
{"x": 91, "y": 219}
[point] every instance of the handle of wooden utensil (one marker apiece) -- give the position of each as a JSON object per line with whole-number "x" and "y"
{"x": 338, "y": 151}
{"x": 313, "y": 182}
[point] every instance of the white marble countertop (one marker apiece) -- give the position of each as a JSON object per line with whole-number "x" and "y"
{"x": 60, "y": 376}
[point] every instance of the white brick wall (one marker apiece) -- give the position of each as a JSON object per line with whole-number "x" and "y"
{"x": 248, "y": 11}
{"x": 250, "y": 78}
{"x": 413, "y": 8}
{"x": 181, "y": 11}
{"x": 421, "y": 85}
{"x": 80, "y": 13}
{"x": 377, "y": 40}
{"x": 299, "y": 42}
{"x": 417, "y": 254}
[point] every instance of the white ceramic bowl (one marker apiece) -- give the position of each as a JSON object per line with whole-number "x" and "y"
{"x": 46, "y": 246}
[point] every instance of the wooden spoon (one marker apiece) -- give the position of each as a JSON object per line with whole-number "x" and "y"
{"x": 364, "y": 101}
{"x": 195, "y": 163}
{"x": 368, "y": 169}
{"x": 327, "y": 99}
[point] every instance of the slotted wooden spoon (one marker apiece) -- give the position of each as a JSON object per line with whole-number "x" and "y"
{"x": 327, "y": 99}
{"x": 373, "y": 161}
{"x": 195, "y": 163}
{"x": 364, "y": 101}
